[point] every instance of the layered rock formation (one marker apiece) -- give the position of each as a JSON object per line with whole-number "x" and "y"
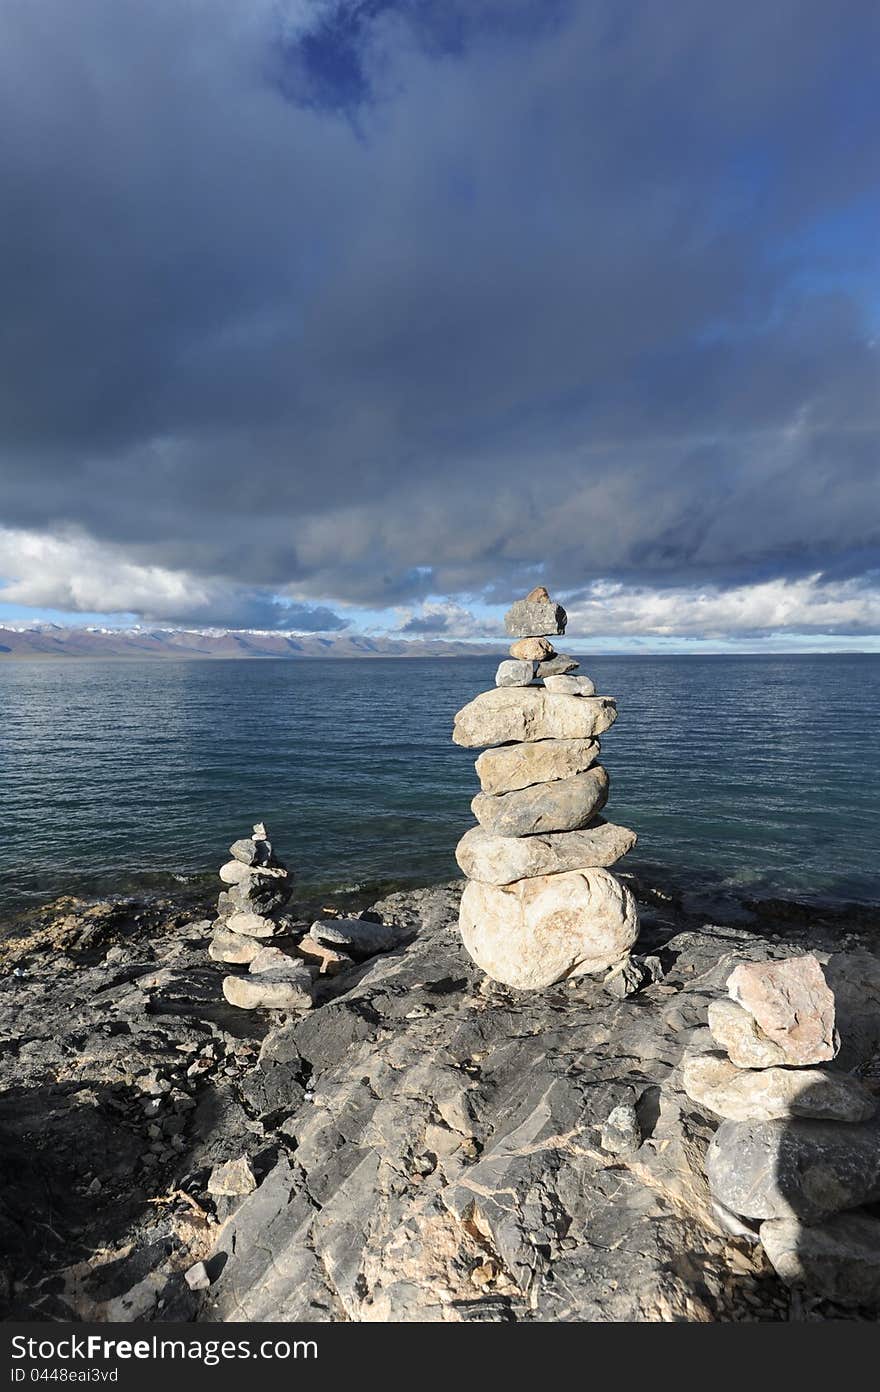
{"x": 798, "y": 1150}
{"x": 540, "y": 905}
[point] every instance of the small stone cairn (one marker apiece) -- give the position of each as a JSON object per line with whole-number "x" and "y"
{"x": 540, "y": 904}
{"x": 285, "y": 959}
{"x": 798, "y": 1150}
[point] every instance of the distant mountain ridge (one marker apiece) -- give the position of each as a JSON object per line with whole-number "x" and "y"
{"x": 54, "y": 640}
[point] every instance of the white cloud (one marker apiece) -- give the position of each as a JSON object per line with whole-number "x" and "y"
{"x": 807, "y": 605}
{"x": 72, "y": 572}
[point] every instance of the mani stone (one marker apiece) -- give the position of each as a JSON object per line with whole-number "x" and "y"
{"x": 791, "y": 1004}
{"x": 227, "y": 946}
{"x": 535, "y": 618}
{"x": 533, "y": 649}
{"x": 764, "y": 1094}
{"x": 566, "y": 805}
{"x": 556, "y": 666}
{"x": 794, "y": 1169}
{"x": 531, "y": 713}
{"x": 514, "y": 766}
{"x": 499, "y": 860}
{"x": 839, "y": 1259}
{"x": 513, "y": 673}
{"x": 571, "y": 686}
{"x": 538, "y": 931}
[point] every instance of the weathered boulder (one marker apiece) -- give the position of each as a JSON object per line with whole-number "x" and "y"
{"x": 514, "y": 673}
{"x": 537, "y": 931}
{"x": 839, "y": 1259}
{"x": 535, "y": 618}
{"x": 564, "y": 805}
{"x": 791, "y": 1004}
{"x": 735, "y": 1030}
{"x": 854, "y": 979}
{"x": 512, "y": 766}
{"x": 794, "y": 1169}
{"x": 762, "y": 1094}
{"x": 499, "y": 860}
{"x": 250, "y": 851}
{"x": 533, "y": 649}
{"x": 571, "y": 685}
{"x": 531, "y": 713}
{"x": 236, "y": 948}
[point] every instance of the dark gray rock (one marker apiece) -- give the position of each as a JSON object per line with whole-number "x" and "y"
{"x": 839, "y": 1259}
{"x": 535, "y": 619}
{"x": 557, "y": 666}
{"x": 360, "y": 937}
{"x": 794, "y": 1168}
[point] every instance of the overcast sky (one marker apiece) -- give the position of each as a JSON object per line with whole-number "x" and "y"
{"x": 369, "y": 314}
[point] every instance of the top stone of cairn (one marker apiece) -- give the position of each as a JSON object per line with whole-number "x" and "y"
{"x": 536, "y": 616}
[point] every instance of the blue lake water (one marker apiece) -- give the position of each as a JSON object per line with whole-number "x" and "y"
{"x": 758, "y": 773}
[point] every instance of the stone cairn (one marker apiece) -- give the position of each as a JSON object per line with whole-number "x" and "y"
{"x": 284, "y": 957}
{"x": 540, "y": 904}
{"x": 798, "y": 1149}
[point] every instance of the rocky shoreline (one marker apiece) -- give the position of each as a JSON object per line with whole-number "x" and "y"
{"x": 422, "y": 1144}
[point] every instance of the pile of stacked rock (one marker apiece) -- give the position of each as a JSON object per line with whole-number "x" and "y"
{"x": 284, "y": 957}
{"x": 540, "y": 904}
{"x": 798, "y": 1149}
{"x": 251, "y": 911}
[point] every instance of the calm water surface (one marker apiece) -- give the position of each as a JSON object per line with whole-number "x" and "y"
{"x": 757, "y": 773}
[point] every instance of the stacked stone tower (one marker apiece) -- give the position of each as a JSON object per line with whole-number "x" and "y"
{"x": 541, "y": 904}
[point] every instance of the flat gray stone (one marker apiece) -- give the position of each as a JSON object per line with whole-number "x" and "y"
{"x": 519, "y": 714}
{"x": 512, "y": 766}
{"x": 502, "y": 860}
{"x": 566, "y": 805}
{"x": 359, "y": 937}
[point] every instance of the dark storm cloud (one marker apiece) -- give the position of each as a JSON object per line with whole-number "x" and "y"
{"x": 371, "y": 301}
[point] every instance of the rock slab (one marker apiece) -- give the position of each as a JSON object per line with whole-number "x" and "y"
{"x": 564, "y": 805}
{"x": 499, "y": 860}
{"x": 764, "y": 1094}
{"x": 513, "y": 766}
{"x": 531, "y": 713}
